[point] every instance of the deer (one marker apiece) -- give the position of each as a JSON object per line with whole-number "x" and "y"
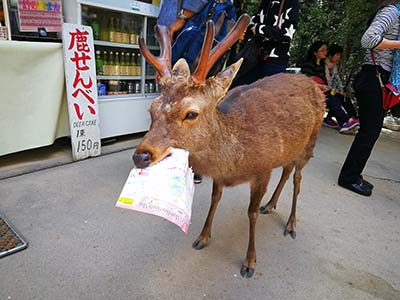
{"x": 234, "y": 137}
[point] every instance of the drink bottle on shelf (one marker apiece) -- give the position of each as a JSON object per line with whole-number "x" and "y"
{"x": 117, "y": 63}
{"x": 138, "y": 64}
{"x": 118, "y": 33}
{"x": 112, "y": 28}
{"x": 106, "y": 66}
{"x": 111, "y": 64}
{"x": 99, "y": 63}
{"x": 95, "y": 26}
{"x": 125, "y": 32}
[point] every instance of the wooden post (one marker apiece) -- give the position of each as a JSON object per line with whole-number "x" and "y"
{"x": 7, "y": 19}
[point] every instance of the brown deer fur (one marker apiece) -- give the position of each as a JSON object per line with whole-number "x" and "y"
{"x": 237, "y": 137}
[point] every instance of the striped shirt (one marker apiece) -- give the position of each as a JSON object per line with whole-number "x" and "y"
{"x": 384, "y": 25}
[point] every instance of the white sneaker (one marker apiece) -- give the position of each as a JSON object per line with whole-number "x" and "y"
{"x": 391, "y": 123}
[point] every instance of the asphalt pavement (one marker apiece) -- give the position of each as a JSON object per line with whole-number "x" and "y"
{"x": 82, "y": 247}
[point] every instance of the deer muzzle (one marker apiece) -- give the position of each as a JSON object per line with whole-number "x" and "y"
{"x": 142, "y": 159}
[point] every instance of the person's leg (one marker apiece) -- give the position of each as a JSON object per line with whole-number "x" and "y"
{"x": 336, "y": 110}
{"x": 347, "y": 105}
{"x": 371, "y": 116}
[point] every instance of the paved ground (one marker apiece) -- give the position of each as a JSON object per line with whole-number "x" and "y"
{"x": 82, "y": 247}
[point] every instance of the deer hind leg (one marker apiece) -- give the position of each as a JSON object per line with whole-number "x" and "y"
{"x": 258, "y": 189}
{"x": 271, "y": 205}
{"x": 205, "y": 234}
{"x": 299, "y": 165}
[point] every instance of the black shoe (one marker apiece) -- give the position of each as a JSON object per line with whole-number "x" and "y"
{"x": 197, "y": 178}
{"x": 366, "y": 183}
{"x": 358, "y": 187}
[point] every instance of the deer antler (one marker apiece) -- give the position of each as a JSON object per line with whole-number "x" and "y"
{"x": 162, "y": 64}
{"x": 206, "y": 60}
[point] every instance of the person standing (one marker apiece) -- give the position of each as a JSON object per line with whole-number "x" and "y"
{"x": 381, "y": 37}
{"x": 174, "y": 14}
{"x": 274, "y": 33}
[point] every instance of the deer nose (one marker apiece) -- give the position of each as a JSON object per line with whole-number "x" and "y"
{"x": 142, "y": 160}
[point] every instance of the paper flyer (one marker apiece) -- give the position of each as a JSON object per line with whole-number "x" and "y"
{"x": 165, "y": 189}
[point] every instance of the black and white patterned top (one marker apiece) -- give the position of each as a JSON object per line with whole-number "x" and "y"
{"x": 384, "y": 25}
{"x": 276, "y": 37}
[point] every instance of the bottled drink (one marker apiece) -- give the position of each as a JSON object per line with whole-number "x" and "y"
{"x": 125, "y": 32}
{"x": 133, "y": 37}
{"x": 95, "y": 26}
{"x": 138, "y": 64}
{"x": 133, "y": 64}
{"x": 123, "y": 66}
{"x": 99, "y": 63}
{"x": 106, "y": 66}
{"x": 111, "y": 63}
{"x": 118, "y": 33}
{"x": 101, "y": 88}
{"x": 128, "y": 64}
{"x": 112, "y": 28}
{"x": 104, "y": 30}
{"x": 123, "y": 87}
{"x": 117, "y": 64}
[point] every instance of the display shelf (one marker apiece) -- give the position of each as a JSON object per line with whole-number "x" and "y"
{"x": 122, "y": 45}
{"x": 105, "y": 77}
{"x": 115, "y": 45}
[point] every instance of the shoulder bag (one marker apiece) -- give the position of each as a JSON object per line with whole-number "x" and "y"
{"x": 390, "y": 93}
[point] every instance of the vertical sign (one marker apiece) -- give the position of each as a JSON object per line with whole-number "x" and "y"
{"x": 33, "y": 14}
{"x": 80, "y": 77}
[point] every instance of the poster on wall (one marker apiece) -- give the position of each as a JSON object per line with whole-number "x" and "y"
{"x": 34, "y": 14}
{"x": 80, "y": 77}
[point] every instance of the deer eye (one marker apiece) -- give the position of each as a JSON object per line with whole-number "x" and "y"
{"x": 191, "y": 115}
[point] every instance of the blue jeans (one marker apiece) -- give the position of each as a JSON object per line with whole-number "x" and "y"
{"x": 263, "y": 69}
{"x": 334, "y": 105}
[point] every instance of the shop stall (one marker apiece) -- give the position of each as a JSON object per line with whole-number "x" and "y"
{"x": 33, "y": 106}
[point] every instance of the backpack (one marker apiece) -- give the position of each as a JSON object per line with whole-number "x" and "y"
{"x": 189, "y": 42}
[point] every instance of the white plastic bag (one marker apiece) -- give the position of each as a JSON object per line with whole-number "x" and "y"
{"x": 165, "y": 189}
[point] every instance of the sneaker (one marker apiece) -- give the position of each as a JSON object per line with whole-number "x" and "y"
{"x": 197, "y": 178}
{"x": 331, "y": 123}
{"x": 391, "y": 123}
{"x": 350, "y": 126}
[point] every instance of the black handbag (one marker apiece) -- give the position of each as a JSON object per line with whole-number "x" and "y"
{"x": 250, "y": 53}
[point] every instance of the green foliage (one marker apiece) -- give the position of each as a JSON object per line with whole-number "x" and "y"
{"x": 334, "y": 21}
{"x": 341, "y": 22}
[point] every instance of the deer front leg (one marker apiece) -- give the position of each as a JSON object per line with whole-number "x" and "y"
{"x": 291, "y": 224}
{"x": 258, "y": 189}
{"x": 266, "y": 209}
{"x": 205, "y": 234}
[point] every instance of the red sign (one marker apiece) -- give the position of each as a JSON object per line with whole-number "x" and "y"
{"x": 34, "y": 14}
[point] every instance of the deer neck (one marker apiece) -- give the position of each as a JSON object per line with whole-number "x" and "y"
{"x": 221, "y": 142}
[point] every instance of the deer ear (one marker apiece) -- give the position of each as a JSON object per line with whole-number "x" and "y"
{"x": 181, "y": 68}
{"x": 224, "y": 78}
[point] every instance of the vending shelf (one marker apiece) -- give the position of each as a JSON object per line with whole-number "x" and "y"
{"x": 104, "y": 77}
{"x": 122, "y": 45}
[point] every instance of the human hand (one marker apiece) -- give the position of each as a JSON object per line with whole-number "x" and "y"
{"x": 324, "y": 87}
{"x": 175, "y": 27}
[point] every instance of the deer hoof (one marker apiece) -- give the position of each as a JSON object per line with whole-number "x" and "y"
{"x": 291, "y": 232}
{"x": 264, "y": 210}
{"x": 246, "y": 272}
{"x": 198, "y": 244}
